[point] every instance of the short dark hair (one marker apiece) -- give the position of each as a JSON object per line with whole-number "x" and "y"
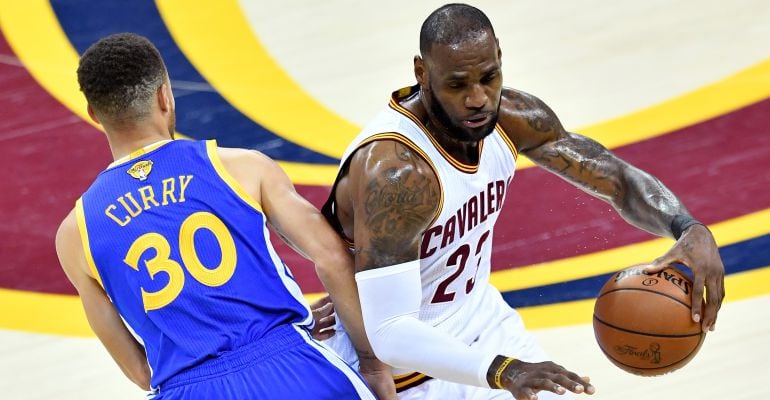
{"x": 119, "y": 76}
{"x": 451, "y": 24}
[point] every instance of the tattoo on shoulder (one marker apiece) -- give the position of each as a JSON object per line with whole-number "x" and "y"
{"x": 537, "y": 114}
{"x": 399, "y": 204}
{"x": 403, "y": 152}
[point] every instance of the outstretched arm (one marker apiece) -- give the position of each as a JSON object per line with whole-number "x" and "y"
{"x": 640, "y": 198}
{"x": 304, "y": 228}
{"x": 101, "y": 314}
{"x": 395, "y": 195}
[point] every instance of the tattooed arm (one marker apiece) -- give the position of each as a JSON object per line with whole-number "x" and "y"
{"x": 640, "y": 198}
{"x": 395, "y": 195}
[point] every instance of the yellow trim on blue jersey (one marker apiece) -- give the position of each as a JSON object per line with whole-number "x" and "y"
{"x": 139, "y": 152}
{"x": 211, "y": 37}
{"x": 81, "y": 220}
{"x": 467, "y": 168}
{"x": 211, "y": 149}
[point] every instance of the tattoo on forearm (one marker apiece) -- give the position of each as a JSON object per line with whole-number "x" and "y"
{"x": 639, "y": 197}
{"x": 366, "y": 355}
{"x": 586, "y": 164}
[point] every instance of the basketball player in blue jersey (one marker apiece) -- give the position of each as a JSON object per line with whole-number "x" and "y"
{"x": 171, "y": 256}
{"x": 419, "y": 191}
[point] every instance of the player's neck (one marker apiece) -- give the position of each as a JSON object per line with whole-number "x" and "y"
{"x": 126, "y": 140}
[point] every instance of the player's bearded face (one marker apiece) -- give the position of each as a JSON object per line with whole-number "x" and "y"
{"x": 458, "y": 127}
{"x": 465, "y": 87}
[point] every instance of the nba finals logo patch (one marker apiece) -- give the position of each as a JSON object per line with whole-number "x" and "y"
{"x": 140, "y": 170}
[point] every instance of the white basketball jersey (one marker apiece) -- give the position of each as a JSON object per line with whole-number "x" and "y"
{"x": 456, "y": 249}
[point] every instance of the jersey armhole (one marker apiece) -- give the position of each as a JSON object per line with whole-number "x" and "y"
{"x": 81, "y": 221}
{"x": 235, "y": 186}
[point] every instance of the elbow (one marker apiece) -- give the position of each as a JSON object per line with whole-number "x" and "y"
{"x": 384, "y": 340}
{"x": 143, "y": 384}
{"x": 382, "y": 351}
{"x": 389, "y": 357}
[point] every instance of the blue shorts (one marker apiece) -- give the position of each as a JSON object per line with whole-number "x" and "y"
{"x": 285, "y": 364}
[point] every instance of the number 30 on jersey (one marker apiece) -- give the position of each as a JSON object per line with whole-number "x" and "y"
{"x": 217, "y": 276}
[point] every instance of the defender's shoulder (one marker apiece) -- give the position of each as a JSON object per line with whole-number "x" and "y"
{"x": 249, "y": 168}
{"x": 238, "y": 155}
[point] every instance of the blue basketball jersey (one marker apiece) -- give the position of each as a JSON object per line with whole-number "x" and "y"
{"x": 185, "y": 256}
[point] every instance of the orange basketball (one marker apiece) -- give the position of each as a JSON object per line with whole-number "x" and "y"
{"x": 643, "y": 322}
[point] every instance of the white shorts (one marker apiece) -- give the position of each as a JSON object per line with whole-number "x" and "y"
{"x": 505, "y": 334}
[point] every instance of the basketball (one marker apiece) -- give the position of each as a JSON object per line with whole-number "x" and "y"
{"x": 643, "y": 322}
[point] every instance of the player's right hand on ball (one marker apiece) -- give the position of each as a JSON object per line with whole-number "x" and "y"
{"x": 524, "y": 380}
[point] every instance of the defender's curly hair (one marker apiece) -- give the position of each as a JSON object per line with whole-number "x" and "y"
{"x": 451, "y": 24}
{"x": 119, "y": 75}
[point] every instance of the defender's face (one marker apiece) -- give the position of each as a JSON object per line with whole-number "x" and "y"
{"x": 464, "y": 86}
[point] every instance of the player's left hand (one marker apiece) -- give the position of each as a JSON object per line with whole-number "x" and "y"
{"x": 697, "y": 250}
{"x": 323, "y": 314}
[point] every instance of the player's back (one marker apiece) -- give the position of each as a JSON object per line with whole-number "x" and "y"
{"x": 184, "y": 254}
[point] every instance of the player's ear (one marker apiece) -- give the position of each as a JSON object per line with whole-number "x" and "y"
{"x": 499, "y": 52}
{"x": 420, "y": 72}
{"x": 92, "y": 114}
{"x": 165, "y": 97}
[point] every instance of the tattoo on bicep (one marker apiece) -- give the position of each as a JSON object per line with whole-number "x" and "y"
{"x": 399, "y": 203}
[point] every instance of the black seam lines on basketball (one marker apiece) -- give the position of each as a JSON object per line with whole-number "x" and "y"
{"x": 646, "y": 290}
{"x": 647, "y": 334}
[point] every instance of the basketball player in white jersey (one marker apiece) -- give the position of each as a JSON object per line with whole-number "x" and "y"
{"x": 417, "y": 197}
